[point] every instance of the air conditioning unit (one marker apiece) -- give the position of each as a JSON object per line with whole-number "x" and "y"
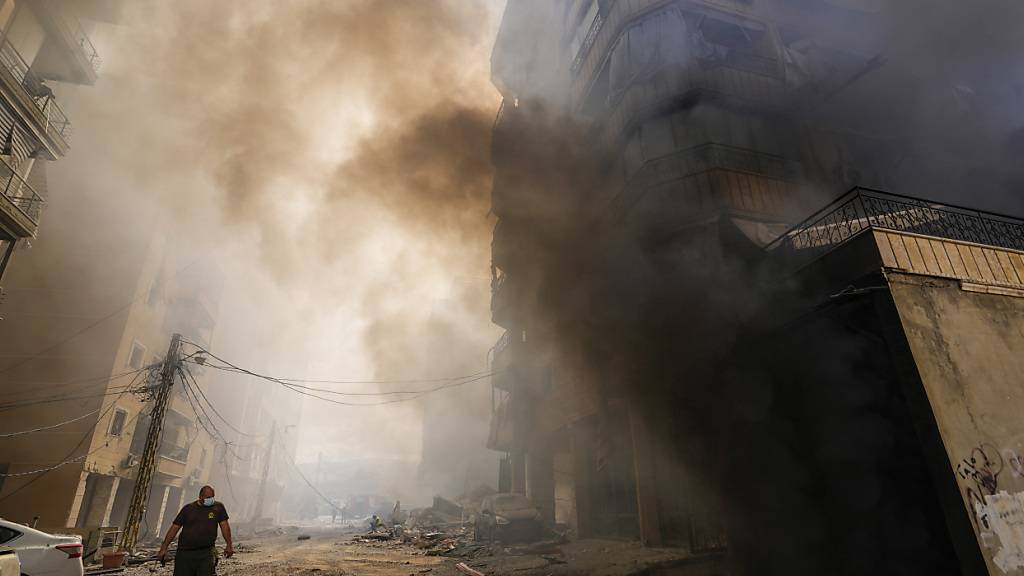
{"x": 129, "y": 461}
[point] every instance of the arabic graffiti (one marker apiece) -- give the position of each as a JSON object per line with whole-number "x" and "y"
{"x": 981, "y": 469}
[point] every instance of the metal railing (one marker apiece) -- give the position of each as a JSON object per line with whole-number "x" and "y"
{"x": 588, "y": 42}
{"x": 19, "y": 193}
{"x": 861, "y": 209}
{"x": 55, "y": 120}
{"x": 503, "y": 343}
{"x": 174, "y": 452}
{"x": 73, "y": 28}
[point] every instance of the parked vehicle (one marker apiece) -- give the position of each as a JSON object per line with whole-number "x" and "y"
{"x": 509, "y": 518}
{"x": 42, "y": 554}
{"x": 9, "y": 565}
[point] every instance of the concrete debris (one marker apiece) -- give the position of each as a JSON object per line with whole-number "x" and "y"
{"x": 461, "y": 567}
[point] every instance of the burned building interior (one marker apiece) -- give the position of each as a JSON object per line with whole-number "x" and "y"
{"x": 757, "y": 268}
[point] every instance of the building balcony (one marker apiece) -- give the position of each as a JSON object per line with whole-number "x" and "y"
{"x": 20, "y": 205}
{"x": 170, "y": 467}
{"x": 34, "y": 102}
{"x": 501, "y": 306}
{"x": 712, "y": 179}
{"x": 68, "y": 54}
{"x": 501, "y": 361}
{"x": 609, "y": 26}
{"x": 862, "y": 210}
{"x": 174, "y": 452}
{"x": 748, "y": 81}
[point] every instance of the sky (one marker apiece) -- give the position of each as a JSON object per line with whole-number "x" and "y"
{"x": 332, "y": 158}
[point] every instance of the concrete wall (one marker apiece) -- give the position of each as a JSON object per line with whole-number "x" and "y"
{"x": 968, "y": 348}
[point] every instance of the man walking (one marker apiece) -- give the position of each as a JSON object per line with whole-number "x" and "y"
{"x": 198, "y": 521}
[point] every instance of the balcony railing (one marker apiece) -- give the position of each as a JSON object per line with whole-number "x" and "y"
{"x": 18, "y": 192}
{"x": 862, "y": 209}
{"x": 752, "y": 80}
{"x": 588, "y": 42}
{"x": 174, "y": 452}
{"x": 55, "y": 122}
{"x": 72, "y": 27}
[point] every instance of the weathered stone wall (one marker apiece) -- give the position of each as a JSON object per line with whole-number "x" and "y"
{"x": 968, "y": 348}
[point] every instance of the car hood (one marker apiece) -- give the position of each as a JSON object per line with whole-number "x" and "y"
{"x": 522, "y": 514}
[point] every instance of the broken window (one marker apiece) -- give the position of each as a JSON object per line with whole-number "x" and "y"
{"x": 117, "y": 422}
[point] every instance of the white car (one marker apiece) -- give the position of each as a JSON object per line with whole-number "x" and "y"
{"x": 43, "y": 554}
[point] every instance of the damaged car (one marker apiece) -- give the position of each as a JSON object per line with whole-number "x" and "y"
{"x": 509, "y": 518}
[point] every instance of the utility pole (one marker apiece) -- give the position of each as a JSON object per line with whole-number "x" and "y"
{"x": 266, "y": 472}
{"x": 147, "y": 463}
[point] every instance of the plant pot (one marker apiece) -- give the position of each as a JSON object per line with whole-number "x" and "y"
{"x": 114, "y": 559}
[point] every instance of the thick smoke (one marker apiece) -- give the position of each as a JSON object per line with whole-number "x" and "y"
{"x": 334, "y": 159}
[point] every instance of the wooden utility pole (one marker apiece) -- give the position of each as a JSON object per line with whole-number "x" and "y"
{"x": 147, "y": 463}
{"x": 266, "y": 472}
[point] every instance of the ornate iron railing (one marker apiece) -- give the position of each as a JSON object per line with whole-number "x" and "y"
{"x": 55, "y": 120}
{"x": 861, "y": 209}
{"x": 18, "y": 192}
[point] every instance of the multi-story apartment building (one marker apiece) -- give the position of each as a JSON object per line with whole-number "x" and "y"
{"x": 40, "y": 42}
{"x": 645, "y": 154}
{"x": 87, "y": 378}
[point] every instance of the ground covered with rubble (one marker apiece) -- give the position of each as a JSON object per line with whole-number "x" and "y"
{"x": 333, "y": 552}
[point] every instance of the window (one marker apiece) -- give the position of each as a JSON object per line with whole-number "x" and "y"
{"x": 6, "y": 534}
{"x": 117, "y": 422}
{"x": 136, "y": 358}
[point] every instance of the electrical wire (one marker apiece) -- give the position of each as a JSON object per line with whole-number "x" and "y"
{"x": 67, "y": 458}
{"x": 216, "y": 433}
{"x": 51, "y": 427}
{"x": 295, "y": 467}
{"x": 30, "y": 401}
{"x": 305, "y": 390}
{"x": 94, "y": 324}
{"x": 231, "y": 367}
{"x": 196, "y": 388}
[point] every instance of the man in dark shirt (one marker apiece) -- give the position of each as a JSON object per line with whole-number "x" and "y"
{"x": 198, "y": 521}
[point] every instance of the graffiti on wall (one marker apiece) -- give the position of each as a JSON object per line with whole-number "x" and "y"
{"x": 981, "y": 472}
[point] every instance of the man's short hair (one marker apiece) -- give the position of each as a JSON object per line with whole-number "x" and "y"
{"x": 204, "y": 489}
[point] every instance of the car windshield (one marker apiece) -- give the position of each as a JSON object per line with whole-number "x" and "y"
{"x": 511, "y": 502}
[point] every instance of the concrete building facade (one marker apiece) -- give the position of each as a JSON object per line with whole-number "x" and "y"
{"x": 40, "y": 42}
{"x": 646, "y": 154}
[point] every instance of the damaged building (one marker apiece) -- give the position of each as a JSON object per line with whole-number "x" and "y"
{"x": 684, "y": 367}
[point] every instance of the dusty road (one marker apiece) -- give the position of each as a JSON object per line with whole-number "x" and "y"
{"x": 335, "y": 553}
{"x": 324, "y": 554}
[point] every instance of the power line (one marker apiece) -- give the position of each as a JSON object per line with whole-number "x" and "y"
{"x": 300, "y": 389}
{"x": 92, "y": 325}
{"x": 39, "y": 474}
{"x": 292, "y": 382}
{"x": 232, "y": 368}
{"x": 51, "y": 427}
{"x": 295, "y": 467}
{"x": 113, "y": 391}
{"x": 216, "y": 433}
{"x": 195, "y": 385}
{"x": 89, "y": 382}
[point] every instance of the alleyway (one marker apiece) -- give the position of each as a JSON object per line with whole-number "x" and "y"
{"x": 334, "y": 553}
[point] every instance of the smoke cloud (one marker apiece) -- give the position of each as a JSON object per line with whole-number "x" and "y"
{"x": 333, "y": 159}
